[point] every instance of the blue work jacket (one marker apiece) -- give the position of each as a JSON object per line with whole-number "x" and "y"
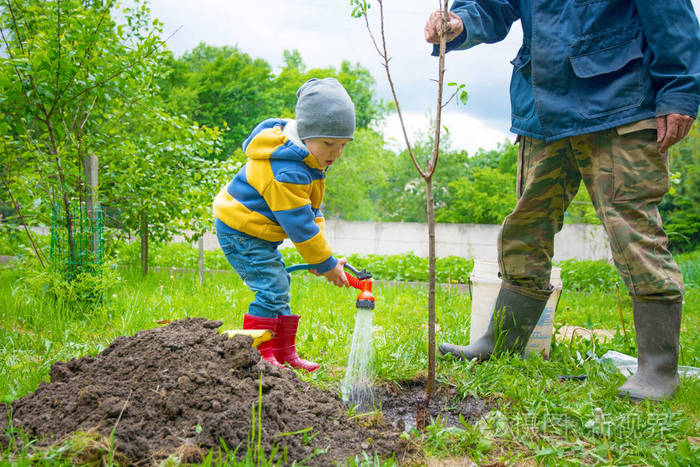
{"x": 590, "y": 65}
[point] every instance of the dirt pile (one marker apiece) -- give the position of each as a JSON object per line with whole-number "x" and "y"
{"x": 180, "y": 389}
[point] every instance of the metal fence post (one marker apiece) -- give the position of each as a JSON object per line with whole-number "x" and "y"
{"x": 200, "y": 244}
{"x": 90, "y": 164}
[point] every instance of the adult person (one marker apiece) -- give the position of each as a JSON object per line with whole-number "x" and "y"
{"x": 600, "y": 90}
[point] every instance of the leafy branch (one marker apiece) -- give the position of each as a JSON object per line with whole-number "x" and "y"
{"x": 22, "y": 221}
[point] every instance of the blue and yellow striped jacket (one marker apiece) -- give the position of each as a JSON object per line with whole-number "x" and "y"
{"x": 278, "y": 193}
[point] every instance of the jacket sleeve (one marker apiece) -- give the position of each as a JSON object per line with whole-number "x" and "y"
{"x": 290, "y": 204}
{"x": 672, "y": 33}
{"x": 485, "y": 21}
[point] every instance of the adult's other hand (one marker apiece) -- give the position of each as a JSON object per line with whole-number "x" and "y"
{"x": 671, "y": 129}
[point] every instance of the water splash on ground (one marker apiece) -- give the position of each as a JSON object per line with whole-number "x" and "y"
{"x": 357, "y": 385}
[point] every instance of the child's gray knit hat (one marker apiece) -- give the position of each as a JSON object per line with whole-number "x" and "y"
{"x": 324, "y": 110}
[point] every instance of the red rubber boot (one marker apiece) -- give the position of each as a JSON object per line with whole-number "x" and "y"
{"x": 266, "y": 348}
{"x": 284, "y": 347}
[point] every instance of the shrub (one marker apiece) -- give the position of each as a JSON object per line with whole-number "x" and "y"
{"x": 588, "y": 276}
{"x": 76, "y": 295}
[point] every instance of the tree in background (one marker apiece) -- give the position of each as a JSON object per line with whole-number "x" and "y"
{"x": 225, "y": 87}
{"x": 467, "y": 189}
{"x": 221, "y": 87}
{"x": 485, "y": 197}
{"x": 63, "y": 64}
{"x": 160, "y": 185}
{"x": 358, "y": 181}
{"x": 74, "y": 82}
{"x": 403, "y": 198}
{"x": 483, "y": 191}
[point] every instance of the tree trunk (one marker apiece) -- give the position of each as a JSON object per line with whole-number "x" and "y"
{"x": 422, "y": 413}
{"x": 144, "y": 243}
{"x": 430, "y": 209}
{"x": 69, "y": 227}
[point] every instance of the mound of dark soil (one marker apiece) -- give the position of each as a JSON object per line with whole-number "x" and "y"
{"x": 180, "y": 389}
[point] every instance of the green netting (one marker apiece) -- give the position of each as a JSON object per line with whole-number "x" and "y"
{"x": 76, "y": 240}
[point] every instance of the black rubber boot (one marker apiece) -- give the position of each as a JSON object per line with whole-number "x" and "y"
{"x": 658, "y": 327}
{"x": 511, "y": 325}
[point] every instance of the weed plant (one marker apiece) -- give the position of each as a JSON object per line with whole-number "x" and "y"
{"x": 537, "y": 417}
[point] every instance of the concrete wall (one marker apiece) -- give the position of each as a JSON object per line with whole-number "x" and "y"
{"x": 579, "y": 241}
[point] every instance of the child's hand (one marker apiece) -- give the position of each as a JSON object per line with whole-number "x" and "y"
{"x": 337, "y": 276}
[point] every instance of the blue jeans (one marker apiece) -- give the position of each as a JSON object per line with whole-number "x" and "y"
{"x": 260, "y": 265}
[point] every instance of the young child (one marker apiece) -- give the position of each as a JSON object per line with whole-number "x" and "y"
{"x": 278, "y": 194}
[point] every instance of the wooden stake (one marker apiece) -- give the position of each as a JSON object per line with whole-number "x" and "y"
{"x": 619, "y": 306}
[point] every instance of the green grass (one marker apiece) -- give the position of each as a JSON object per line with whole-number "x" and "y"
{"x": 538, "y": 418}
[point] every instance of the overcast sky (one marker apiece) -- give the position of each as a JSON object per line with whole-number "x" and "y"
{"x": 325, "y": 34}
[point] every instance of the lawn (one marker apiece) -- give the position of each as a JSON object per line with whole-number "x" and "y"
{"x": 537, "y": 419}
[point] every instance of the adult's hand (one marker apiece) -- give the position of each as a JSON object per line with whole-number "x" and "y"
{"x": 671, "y": 129}
{"x": 433, "y": 27}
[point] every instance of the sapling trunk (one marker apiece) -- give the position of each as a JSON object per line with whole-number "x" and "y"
{"x": 360, "y": 9}
{"x": 430, "y": 208}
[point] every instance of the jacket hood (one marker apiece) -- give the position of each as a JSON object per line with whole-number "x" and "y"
{"x": 277, "y": 139}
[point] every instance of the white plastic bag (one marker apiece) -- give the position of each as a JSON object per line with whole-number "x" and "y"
{"x": 628, "y": 365}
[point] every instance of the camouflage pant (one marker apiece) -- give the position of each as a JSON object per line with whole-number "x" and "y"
{"x": 626, "y": 178}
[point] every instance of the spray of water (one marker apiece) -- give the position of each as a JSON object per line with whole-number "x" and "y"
{"x": 357, "y": 385}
